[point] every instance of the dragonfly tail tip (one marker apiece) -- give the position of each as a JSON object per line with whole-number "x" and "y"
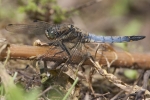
{"x": 136, "y": 38}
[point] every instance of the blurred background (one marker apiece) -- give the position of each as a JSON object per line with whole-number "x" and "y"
{"x": 101, "y": 17}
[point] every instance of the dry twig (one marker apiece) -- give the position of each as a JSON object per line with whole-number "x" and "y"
{"x": 124, "y": 59}
{"x": 118, "y": 82}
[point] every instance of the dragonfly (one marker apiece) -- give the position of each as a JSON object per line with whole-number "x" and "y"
{"x": 61, "y": 34}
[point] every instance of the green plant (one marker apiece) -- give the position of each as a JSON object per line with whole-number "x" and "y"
{"x": 47, "y": 10}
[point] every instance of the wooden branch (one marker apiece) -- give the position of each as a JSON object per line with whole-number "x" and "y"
{"x": 121, "y": 59}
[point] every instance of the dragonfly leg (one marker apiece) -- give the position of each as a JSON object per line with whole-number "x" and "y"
{"x": 58, "y": 53}
{"x": 64, "y": 48}
{"x": 76, "y": 44}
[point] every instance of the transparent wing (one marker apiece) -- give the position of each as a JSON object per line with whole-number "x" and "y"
{"x": 38, "y": 27}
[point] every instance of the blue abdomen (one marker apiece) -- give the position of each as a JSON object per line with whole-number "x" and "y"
{"x": 113, "y": 39}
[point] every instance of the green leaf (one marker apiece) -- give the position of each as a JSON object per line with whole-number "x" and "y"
{"x": 132, "y": 28}
{"x": 120, "y": 7}
{"x": 131, "y": 74}
{"x": 31, "y": 6}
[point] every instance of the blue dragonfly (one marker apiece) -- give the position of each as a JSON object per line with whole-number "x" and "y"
{"x": 63, "y": 34}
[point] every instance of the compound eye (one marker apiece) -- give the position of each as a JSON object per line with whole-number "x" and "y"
{"x": 47, "y": 33}
{"x": 52, "y": 32}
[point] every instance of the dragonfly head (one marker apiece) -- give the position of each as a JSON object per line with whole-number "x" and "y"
{"x": 50, "y": 33}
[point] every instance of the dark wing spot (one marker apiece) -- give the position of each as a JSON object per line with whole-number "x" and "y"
{"x": 10, "y": 24}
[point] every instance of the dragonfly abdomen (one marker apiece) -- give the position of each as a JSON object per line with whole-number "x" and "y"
{"x": 113, "y": 39}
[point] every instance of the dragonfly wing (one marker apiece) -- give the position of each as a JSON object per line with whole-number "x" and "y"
{"x": 38, "y": 27}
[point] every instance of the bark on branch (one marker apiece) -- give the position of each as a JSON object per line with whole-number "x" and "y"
{"x": 118, "y": 59}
